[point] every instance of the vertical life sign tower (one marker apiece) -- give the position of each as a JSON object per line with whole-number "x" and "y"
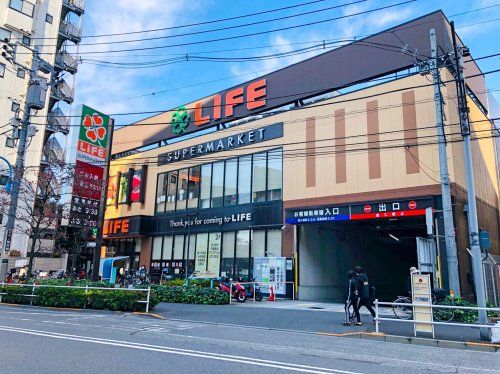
{"x": 90, "y": 169}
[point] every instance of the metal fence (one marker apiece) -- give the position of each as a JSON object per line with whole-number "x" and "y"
{"x": 86, "y": 288}
{"x": 491, "y": 271}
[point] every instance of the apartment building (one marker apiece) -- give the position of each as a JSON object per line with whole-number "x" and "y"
{"x": 53, "y": 28}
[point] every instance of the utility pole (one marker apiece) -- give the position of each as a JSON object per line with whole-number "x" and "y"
{"x": 463, "y": 109}
{"x": 449, "y": 227}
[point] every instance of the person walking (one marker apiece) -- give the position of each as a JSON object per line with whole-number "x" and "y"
{"x": 364, "y": 290}
{"x": 352, "y": 300}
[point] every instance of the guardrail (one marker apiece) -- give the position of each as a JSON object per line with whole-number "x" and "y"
{"x": 86, "y": 288}
{"x": 261, "y": 284}
{"x": 378, "y": 319}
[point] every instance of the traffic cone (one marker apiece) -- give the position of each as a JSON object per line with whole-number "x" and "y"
{"x": 271, "y": 294}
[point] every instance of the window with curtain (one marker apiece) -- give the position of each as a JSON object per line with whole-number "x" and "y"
{"x": 242, "y": 261}
{"x": 167, "y": 248}
{"x": 182, "y": 189}
{"x": 227, "y": 261}
{"x": 206, "y": 183}
{"x": 194, "y": 187}
{"x": 274, "y": 174}
{"x": 273, "y": 247}
{"x": 244, "y": 179}
{"x": 171, "y": 190}
{"x": 230, "y": 182}
{"x": 217, "y": 184}
{"x": 259, "y": 177}
{"x": 161, "y": 193}
{"x": 157, "y": 243}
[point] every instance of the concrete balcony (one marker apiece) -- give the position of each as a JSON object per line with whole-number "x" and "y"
{"x": 75, "y": 6}
{"x": 58, "y": 122}
{"x": 63, "y": 92}
{"x": 52, "y": 153}
{"x": 66, "y": 61}
{"x": 70, "y": 31}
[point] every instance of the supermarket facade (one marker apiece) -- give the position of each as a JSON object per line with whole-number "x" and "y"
{"x": 309, "y": 167}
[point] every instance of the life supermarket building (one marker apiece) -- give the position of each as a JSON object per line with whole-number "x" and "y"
{"x": 320, "y": 166}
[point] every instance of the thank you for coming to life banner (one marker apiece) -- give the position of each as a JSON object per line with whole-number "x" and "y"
{"x": 91, "y": 159}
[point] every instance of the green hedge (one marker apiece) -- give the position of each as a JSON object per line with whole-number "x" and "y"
{"x": 79, "y": 298}
{"x": 191, "y": 295}
{"x": 466, "y": 315}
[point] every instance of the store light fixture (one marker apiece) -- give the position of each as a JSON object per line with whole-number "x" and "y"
{"x": 395, "y": 238}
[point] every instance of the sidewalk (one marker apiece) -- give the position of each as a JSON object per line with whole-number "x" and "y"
{"x": 308, "y": 317}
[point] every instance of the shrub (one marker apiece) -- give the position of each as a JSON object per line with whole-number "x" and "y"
{"x": 191, "y": 295}
{"x": 465, "y": 315}
{"x": 16, "y": 295}
{"x": 60, "y": 297}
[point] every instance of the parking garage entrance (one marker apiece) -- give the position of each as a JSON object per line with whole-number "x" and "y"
{"x": 380, "y": 237}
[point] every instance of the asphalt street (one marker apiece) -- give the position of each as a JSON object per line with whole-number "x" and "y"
{"x": 37, "y": 340}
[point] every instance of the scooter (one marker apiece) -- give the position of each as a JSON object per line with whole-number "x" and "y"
{"x": 235, "y": 289}
{"x": 249, "y": 289}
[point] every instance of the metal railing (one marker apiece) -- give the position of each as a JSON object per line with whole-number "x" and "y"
{"x": 86, "y": 288}
{"x": 66, "y": 61}
{"x": 80, "y": 4}
{"x": 58, "y": 121}
{"x": 71, "y": 31}
{"x": 63, "y": 91}
{"x": 261, "y": 284}
{"x": 378, "y": 319}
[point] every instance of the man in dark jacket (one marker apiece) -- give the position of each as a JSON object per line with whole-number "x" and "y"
{"x": 352, "y": 300}
{"x": 364, "y": 288}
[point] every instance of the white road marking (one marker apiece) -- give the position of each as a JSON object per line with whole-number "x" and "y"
{"x": 178, "y": 351}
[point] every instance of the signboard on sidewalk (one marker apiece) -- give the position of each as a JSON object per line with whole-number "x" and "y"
{"x": 91, "y": 159}
{"x": 422, "y": 298}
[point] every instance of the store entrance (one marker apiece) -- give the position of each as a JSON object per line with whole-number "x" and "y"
{"x": 384, "y": 248}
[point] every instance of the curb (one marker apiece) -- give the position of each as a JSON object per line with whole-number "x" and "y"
{"x": 152, "y": 315}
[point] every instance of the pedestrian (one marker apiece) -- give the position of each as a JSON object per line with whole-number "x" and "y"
{"x": 352, "y": 300}
{"x": 364, "y": 291}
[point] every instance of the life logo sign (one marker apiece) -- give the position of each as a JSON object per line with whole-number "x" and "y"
{"x": 93, "y": 137}
{"x": 180, "y": 120}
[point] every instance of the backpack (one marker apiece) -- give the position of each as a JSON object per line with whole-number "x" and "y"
{"x": 364, "y": 286}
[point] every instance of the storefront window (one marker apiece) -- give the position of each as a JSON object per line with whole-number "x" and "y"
{"x": 259, "y": 177}
{"x": 157, "y": 243}
{"x": 274, "y": 174}
{"x": 244, "y": 179}
{"x": 273, "y": 243}
{"x": 201, "y": 253}
{"x": 178, "y": 247}
{"x": 227, "y": 254}
{"x": 206, "y": 181}
{"x": 214, "y": 243}
{"x": 217, "y": 184}
{"x": 171, "y": 190}
{"x": 167, "y": 248}
{"x": 194, "y": 187}
{"x": 258, "y": 243}
{"x": 230, "y": 181}
{"x": 161, "y": 193}
{"x": 182, "y": 189}
{"x": 242, "y": 254}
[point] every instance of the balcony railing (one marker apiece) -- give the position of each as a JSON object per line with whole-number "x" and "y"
{"x": 66, "y": 61}
{"x": 63, "y": 92}
{"x": 71, "y": 31}
{"x": 52, "y": 152}
{"x": 57, "y": 121}
{"x": 75, "y": 6}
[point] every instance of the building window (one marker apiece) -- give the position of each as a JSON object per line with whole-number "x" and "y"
{"x": 182, "y": 189}
{"x": 171, "y": 190}
{"x": 167, "y": 248}
{"x": 2, "y": 70}
{"x": 259, "y": 177}
{"x": 194, "y": 187}
{"x": 206, "y": 182}
{"x": 178, "y": 248}
{"x": 15, "y": 107}
{"x": 22, "y": 6}
{"x": 244, "y": 179}
{"x": 242, "y": 258}
{"x": 26, "y": 40}
{"x": 217, "y": 184}
{"x": 9, "y": 142}
{"x": 273, "y": 245}
{"x": 49, "y": 18}
{"x": 4, "y": 35}
{"x": 214, "y": 244}
{"x": 230, "y": 182}
{"x": 200, "y": 262}
{"x": 156, "y": 253}
{"x": 21, "y": 73}
{"x": 227, "y": 262}
{"x": 274, "y": 174}
{"x": 258, "y": 243}
{"x": 161, "y": 193}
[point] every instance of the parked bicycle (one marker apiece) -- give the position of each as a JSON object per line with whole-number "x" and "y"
{"x": 403, "y": 311}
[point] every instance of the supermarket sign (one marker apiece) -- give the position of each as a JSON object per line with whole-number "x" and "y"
{"x": 91, "y": 156}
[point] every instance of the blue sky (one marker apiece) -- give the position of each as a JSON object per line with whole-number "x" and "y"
{"x": 114, "y": 90}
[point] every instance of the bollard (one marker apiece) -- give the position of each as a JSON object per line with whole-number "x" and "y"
{"x": 147, "y": 300}
{"x": 32, "y": 294}
{"x": 376, "y": 316}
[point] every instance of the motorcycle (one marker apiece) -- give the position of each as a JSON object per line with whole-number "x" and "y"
{"x": 236, "y": 290}
{"x": 250, "y": 291}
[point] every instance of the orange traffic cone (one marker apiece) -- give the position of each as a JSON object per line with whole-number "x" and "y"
{"x": 271, "y": 294}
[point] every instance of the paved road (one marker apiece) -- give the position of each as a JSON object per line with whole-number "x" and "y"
{"x": 47, "y": 341}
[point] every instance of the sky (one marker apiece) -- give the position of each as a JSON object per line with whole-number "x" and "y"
{"x": 117, "y": 91}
